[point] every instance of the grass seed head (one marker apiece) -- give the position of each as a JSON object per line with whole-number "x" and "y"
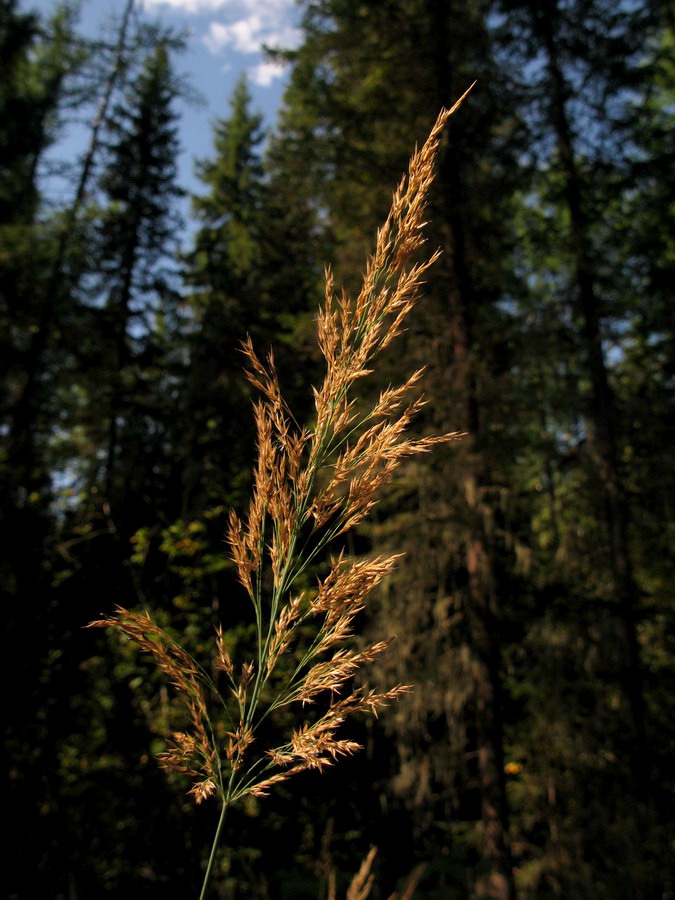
{"x": 310, "y": 486}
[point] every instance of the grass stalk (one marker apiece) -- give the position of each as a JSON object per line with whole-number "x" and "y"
{"x": 311, "y": 485}
{"x": 214, "y": 850}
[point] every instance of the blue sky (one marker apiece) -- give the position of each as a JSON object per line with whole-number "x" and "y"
{"x": 225, "y": 37}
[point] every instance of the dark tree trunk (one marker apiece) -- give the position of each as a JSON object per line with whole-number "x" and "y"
{"x": 26, "y": 409}
{"x": 601, "y": 409}
{"x": 496, "y": 880}
{"x": 121, "y": 305}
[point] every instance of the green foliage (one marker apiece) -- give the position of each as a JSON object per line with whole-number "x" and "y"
{"x": 126, "y": 435}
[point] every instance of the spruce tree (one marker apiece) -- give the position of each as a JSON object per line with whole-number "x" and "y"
{"x": 248, "y": 273}
{"x": 222, "y": 272}
{"x": 51, "y": 434}
{"x": 588, "y": 72}
{"x": 36, "y": 57}
{"x": 364, "y": 79}
{"x": 133, "y": 287}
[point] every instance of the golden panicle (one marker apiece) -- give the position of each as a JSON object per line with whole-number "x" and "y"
{"x": 284, "y": 629}
{"x": 223, "y": 658}
{"x": 310, "y": 485}
{"x": 240, "y": 552}
{"x": 169, "y": 656}
{"x": 333, "y": 673}
{"x": 348, "y": 337}
{"x": 362, "y": 883}
{"x": 347, "y": 584}
{"x": 180, "y": 755}
{"x": 202, "y": 790}
{"x": 262, "y": 788}
{"x": 238, "y": 743}
{"x": 317, "y": 748}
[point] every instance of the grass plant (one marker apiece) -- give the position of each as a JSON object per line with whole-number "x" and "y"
{"x": 311, "y": 486}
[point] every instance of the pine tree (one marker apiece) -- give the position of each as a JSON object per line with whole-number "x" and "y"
{"x": 132, "y": 282}
{"x": 36, "y": 58}
{"x": 582, "y": 108}
{"x": 109, "y": 453}
{"x": 363, "y": 80}
{"x": 223, "y": 274}
{"x": 248, "y": 274}
{"x": 39, "y": 263}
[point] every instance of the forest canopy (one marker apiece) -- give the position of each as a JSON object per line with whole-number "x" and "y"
{"x": 533, "y": 610}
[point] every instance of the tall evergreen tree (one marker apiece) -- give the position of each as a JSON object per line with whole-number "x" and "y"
{"x": 364, "y": 81}
{"x": 587, "y": 72}
{"x": 223, "y": 272}
{"x": 112, "y": 448}
{"x": 48, "y": 312}
{"x": 22, "y": 109}
{"x": 46, "y": 378}
{"x": 248, "y": 274}
{"x": 535, "y": 616}
{"x": 36, "y": 58}
{"x": 133, "y": 284}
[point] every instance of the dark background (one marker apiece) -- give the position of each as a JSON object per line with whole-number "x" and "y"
{"x": 534, "y": 608}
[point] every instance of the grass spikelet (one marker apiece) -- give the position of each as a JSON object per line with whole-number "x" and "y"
{"x": 309, "y": 487}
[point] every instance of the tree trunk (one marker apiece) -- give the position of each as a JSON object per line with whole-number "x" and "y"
{"x": 600, "y": 412}
{"x": 122, "y": 356}
{"x": 496, "y": 881}
{"x": 26, "y": 411}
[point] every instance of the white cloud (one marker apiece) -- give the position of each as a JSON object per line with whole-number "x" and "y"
{"x": 251, "y": 24}
{"x": 264, "y": 73}
{"x": 243, "y": 25}
{"x": 242, "y": 35}
{"x": 189, "y": 6}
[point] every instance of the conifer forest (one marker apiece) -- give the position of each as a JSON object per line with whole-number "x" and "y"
{"x": 400, "y": 600}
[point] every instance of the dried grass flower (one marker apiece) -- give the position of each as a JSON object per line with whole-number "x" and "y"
{"x": 310, "y": 486}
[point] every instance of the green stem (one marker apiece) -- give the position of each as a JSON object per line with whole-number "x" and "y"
{"x": 214, "y": 849}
